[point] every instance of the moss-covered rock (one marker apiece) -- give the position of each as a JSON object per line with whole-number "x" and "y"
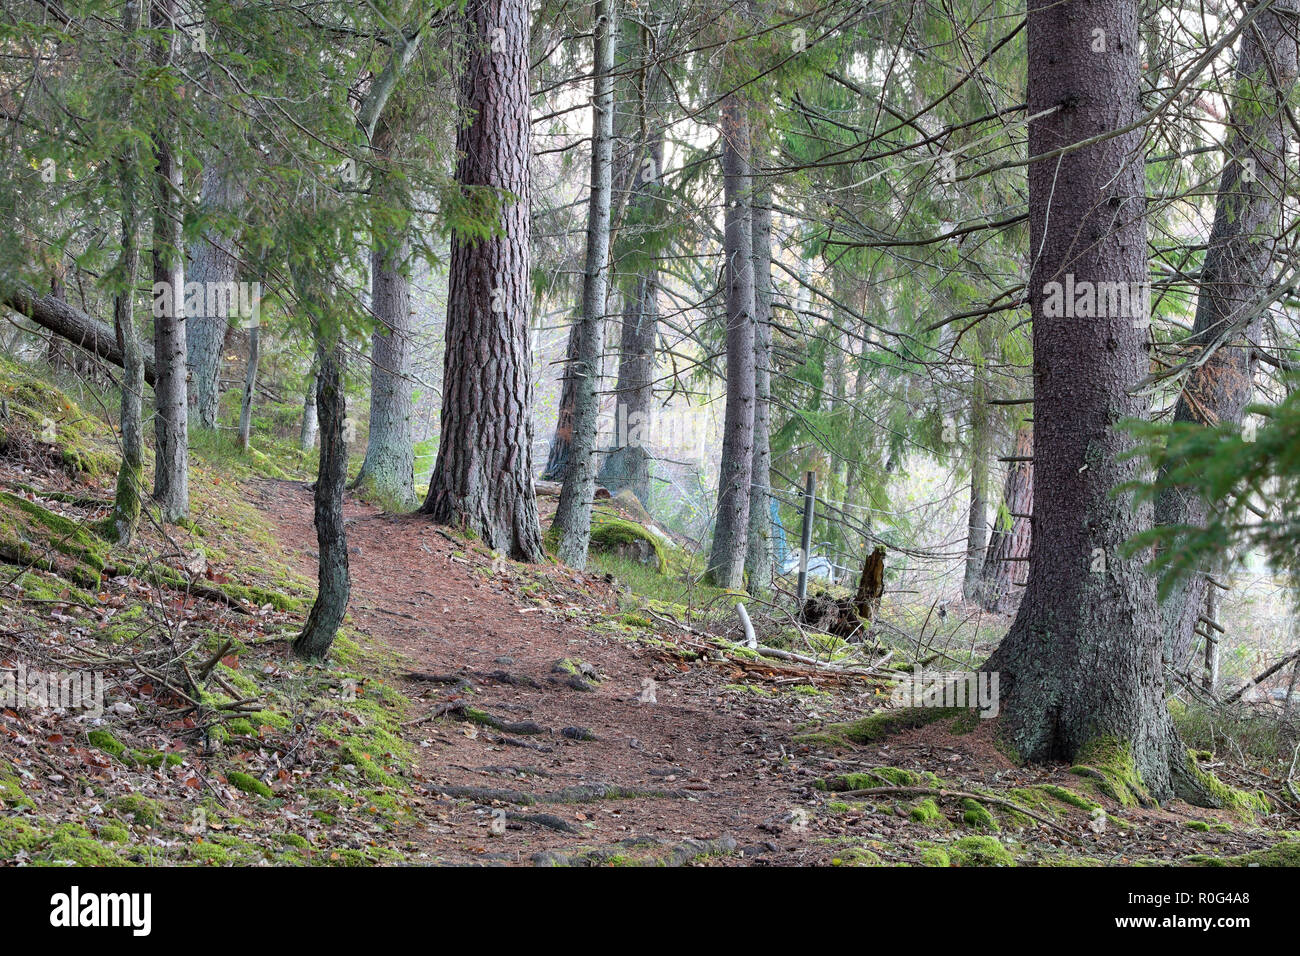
{"x": 628, "y": 539}
{"x": 927, "y": 812}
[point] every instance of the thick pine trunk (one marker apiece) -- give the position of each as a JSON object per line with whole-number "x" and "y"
{"x": 171, "y": 424}
{"x": 731, "y": 530}
{"x": 573, "y": 513}
{"x": 483, "y": 477}
{"x": 758, "y": 557}
{"x": 1236, "y": 277}
{"x": 1006, "y": 565}
{"x": 1083, "y": 659}
{"x": 214, "y": 264}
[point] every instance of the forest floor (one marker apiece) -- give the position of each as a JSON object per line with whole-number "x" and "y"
{"x": 475, "y": 710}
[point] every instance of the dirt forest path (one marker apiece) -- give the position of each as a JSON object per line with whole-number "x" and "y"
{"x": 696, "y": 772}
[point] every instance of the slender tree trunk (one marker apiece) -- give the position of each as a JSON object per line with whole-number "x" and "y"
{"x": 333, "y": 580}
{"x": 730, "y": 531}
{"x": 561, "y": 449}
{"x": 171, "y": 428}
{"x": 310, "y": 418}
{"x": 573, "y": 513}
{"x": 130, "y": 476}
{"x": 1081, "y": 665}
{"x": 250, "y": 387}
{"x": 758, "y": 558}
{"x": 1237, "y": 274}
{"x": 1006, "y": 564}
{"x": 214, "y": 264}
{"x": 483, "y": 477}
{"x": 977, "y": 523}
{"x": 389, "y": 467}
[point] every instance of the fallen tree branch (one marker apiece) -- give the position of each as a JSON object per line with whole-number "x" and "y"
{"x": 954, "y": 795}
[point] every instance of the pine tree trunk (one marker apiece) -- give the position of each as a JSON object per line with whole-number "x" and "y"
{"x": 483, "y": 477}
{"x": 171, "y": 428}
{"x": 389, "y": 467}
{"x": 1082, "y": 661}
{"x": 250, "y": 387}
{"x": 573, "y": 513}
{"x": 214, "y": 264}
{"x": 1006, "y": 564}
{"x": 310, "y": 418}
{"x": 730, "y": 532}
{"x": 758, "y": 559}
{"x": 561, "y": 448}
{"x": 333, "y": 580}
{"x": 977, "y": 521}
{"x": 1236, "y": 276}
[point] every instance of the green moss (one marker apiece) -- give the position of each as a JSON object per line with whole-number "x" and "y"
{"x": 1067, "y": 796}
{"x": 67, "y": 843}
{"x": 1244, "y": 804}
{"x": 886, "y": 723}
{"x": 1109, "y": 762}
{"x": 248, "y": 783}
{"x": 610, "y": 533}
{"x": 980, "y": 851}
{"x": 113, "y": 833}
{"x": 858, "y": 856}
{"x": 976, "y": 815}
{"x": 11, "y": 794}
{"x": 927, "y": 812}
{"x": 140, "y": 809}
{"x": 1284, "y": 854}
{"x": 876, "y": 777}
{"x": 935, "y": 856}
{"x": 105, "y": 741}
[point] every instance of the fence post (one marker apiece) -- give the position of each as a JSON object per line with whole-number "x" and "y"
{"x": 809, "y": 498}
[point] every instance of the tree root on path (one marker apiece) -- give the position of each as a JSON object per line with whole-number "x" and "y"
{"x": 678, "y": 855}
{"x": 587, "y": 793}
{"x": 957, "y": 795}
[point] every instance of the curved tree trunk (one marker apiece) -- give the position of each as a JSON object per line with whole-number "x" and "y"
{"x": 483, "y": 477}
{"x": 1081, "y": 665}
{"x": 1236, "y": 276}
{"x": 573, "y": 512}
{"x": 1006, "y": 565}
{"x": 333, "y": 581}
{"x": 731, "y": 530}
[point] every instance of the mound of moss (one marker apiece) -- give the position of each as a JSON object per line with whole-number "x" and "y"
{"x": 882, "y": 724}
{"x": 616, "y": 535}
{"x": 36, "y": 413}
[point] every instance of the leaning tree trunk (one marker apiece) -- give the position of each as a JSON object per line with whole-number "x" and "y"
{"x": 1081, "y": 665}
{"x": 573, "y": 513}
{"x": 731, "y": 529}
{"x": 333, "y": 580}
{"x": 214, "y": 263}
{"x": 483, "y": 477}
{"x": 1006, "y": 565}
{"x": 1236, "y": 276}
{"x": 758, "y": 557}
{"x": 171, "y": 425}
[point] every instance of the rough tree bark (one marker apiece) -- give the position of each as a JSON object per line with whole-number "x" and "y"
{"x": 483, "y": 478}
{"x": 333, "y": 580}
{"x": 758, "y": 556}
{"x": 573, "y": 513}
{"x": 1081, "y": 665}
{"x": 977, "y": 516}
{"x": 214, "y": 263}
{"x": 1237, "y": 273}
{"x": 250, "y": 388}
{"x": 1006, "y": 564}
{"x": 130, "y": 476}
{"x": 389, "y": 466}
{"x": 171, "y": 402}
{"x": 731, "y": 529}
{"x": 310, "y": 419}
